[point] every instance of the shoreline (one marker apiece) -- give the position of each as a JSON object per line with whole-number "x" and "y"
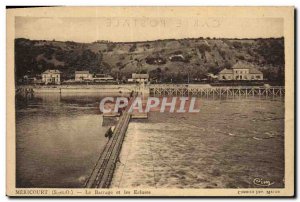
{"x": 156, "y": 90}
{"x": 80, "y": 88}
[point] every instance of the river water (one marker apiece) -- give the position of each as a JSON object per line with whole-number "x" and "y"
{"x": 228, "y": 144}
{"x": 59, "y": 139}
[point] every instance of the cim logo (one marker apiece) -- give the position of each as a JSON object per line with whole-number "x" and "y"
{"x": 158, "y": 104}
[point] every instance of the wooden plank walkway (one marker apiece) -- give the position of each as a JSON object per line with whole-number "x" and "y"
{"x": 103, "y": 171}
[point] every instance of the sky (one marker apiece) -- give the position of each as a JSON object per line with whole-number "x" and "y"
{"x": 117, "y": 29}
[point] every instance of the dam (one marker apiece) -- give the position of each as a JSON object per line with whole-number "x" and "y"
{"x": 104, "y": 167}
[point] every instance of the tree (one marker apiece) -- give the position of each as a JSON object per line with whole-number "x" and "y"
{"x": 132, "y": 48}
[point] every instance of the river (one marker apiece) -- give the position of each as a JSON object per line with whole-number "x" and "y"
{"x": 59, "y": 139}
{"x": 228, "y": 144}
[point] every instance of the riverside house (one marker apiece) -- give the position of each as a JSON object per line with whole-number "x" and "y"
{"x": 139, "y": 78}
{"x": 83, "y": 76}
{"x": 51, "y": 77}
{"x": 241, "y": 71}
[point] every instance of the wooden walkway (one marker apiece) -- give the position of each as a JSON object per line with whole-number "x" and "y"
{"x": 186, "y": 90}
{"x": 103, "y": 171}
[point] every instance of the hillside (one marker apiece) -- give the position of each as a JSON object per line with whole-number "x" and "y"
{"x": 162, "y": 59}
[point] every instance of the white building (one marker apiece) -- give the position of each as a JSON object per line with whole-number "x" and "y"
{"x": 51, "y": 77}
{"x": 83, "y": 76}
{"x": 241, "y": 71}
{"x": 140, "y": 78}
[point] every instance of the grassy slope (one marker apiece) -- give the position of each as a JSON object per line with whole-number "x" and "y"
{"x": 200, "y": 56}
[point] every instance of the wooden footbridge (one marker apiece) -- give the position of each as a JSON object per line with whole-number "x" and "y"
{"x": 103, "y": 170}
{"x": 199, "y": 91}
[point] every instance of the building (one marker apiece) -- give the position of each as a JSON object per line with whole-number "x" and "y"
{"x": 51, "y": 77}
{"x": 103, "y": 78}
{"x": 29, "y": 79}
{"x": 212, "y": 77}
{"x": 241, "y": 71}
{"x": 83, "y": 76}
{"x": 225, "y": 74}
{"x": 140, "y": 78}
{"x": 178, "y": 57}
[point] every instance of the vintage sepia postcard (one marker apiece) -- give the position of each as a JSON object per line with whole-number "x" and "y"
{"x": 150, "y": 101}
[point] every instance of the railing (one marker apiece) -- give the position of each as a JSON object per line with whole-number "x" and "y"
{"x": 186, "y": 90}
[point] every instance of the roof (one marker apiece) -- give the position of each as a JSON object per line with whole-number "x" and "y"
{"x": 246, "y": 65}
{"x": 179, "y": 55}
{"x": 140, "y": 76}
{"x": 226, "y": 71}
{"x": 254, "y": 71}
{"x": 212, "y": 75}
{"x": 52, "y": 71}
{"x": 82, "y": 72}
